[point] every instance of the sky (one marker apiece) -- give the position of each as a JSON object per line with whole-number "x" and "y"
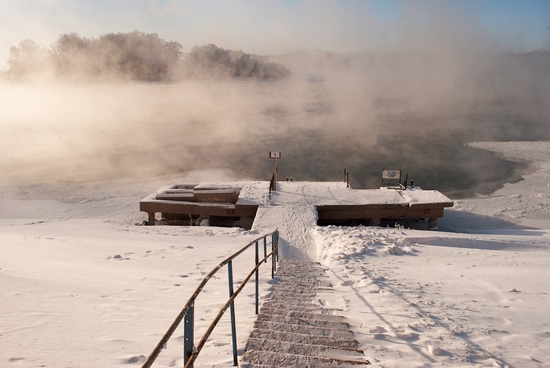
{"x": 273, "y": 27}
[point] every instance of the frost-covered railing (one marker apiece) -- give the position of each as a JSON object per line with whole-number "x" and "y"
{"x": 187, "y": 314}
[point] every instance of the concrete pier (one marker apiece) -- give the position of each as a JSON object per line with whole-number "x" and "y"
{"x": 334, "y": 202}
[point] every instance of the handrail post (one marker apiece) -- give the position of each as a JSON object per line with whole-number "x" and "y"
{"x": 277, "y": 244}
{"x": 188, "y": 333}
{"x": 256, "y": 261}
{"x": 265, "y": 248}
{"x": 273, "y": 256}
{"x": 232, "y": 312}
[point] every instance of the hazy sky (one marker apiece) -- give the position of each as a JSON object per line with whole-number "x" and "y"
{"x": 271, "y": 26}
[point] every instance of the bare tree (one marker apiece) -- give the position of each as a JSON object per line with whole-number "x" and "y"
{"x": 26, "y": 58}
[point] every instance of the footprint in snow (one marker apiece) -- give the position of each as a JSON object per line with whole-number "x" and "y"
{"x": 378, "y": 330}
{"x": 119, "y": 257}
{"x": 134, "y": 359}
{"x": 437, "y": 351}
{"x": 409, "y": 336}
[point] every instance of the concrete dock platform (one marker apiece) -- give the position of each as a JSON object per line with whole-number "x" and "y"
{"x": 334, "y": 202}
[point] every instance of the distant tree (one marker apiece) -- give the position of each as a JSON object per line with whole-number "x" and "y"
{"x": 134, "y": 55}
{"x": 210, "y": 61}
{"x": 27, "y": 58}
{"x": 137, "y": 56}
{"x": 73, "y": 55}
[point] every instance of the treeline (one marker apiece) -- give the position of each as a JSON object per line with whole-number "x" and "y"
{"x": 211, "y": 61}
{"x": 133, "y": 56}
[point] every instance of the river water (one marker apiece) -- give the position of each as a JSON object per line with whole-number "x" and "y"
{"x": 318, "y": 140}
{"x": 99, "y": 132}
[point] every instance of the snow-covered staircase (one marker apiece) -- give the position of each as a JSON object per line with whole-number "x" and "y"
{"x": 292, "y": 330}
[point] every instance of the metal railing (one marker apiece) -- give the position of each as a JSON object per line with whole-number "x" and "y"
{"x": 187, "y": 314}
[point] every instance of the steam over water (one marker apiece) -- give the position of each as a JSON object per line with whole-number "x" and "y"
{"x": 75, "y": 115}
{"x": 87, "y": 132}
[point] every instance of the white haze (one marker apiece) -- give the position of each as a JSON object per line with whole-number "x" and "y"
{"x": 444, "y": 75}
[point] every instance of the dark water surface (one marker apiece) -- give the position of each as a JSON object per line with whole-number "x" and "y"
{"x": 318, "y": 142}
{"x": 436, "y": 162}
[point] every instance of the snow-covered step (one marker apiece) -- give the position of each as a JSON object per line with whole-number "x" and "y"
{"x": 290, "y": 295}
{"x": 298, "y": 338}
{"x": 296, "y": 288}
{"x": 267, "y": 310}
{"x": 297, "y": 300}
{"x": 304, "y": 349}
{"x": 293, "y": 265}
{"x": 311, "y": 322}
{"x": 304, "y": 329}
{"x": 286, "y": 281}
{"x": 293, "y": 329}
{"x": 293, "y": 360}
{"x": 305, "y": 307}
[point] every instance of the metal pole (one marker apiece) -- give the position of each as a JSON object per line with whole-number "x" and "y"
{"x": 188, "y": 333}
{"x": 256, "y": 261}
{"x": 275, "y": 169}
{"x": 273, "y": 256}
{"x": 265, "y": 248}
{"x": 232, "y": 313}
{"x": 277, "y": 244}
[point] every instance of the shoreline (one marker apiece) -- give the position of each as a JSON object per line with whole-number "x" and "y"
{"x": 527, "y": 204}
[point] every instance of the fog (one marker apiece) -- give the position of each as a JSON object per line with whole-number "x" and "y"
{"x": 412, "y": 109}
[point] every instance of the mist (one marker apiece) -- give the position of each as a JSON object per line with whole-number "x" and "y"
{"x": 413, "y": 108}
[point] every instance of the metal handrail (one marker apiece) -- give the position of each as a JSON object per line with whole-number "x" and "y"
{"x": 190, "y": 351}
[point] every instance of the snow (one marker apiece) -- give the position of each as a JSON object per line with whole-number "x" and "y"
{"x": 81, "y": 285}
{"x": 335, "y": 193}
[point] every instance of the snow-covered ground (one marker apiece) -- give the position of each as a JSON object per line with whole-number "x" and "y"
{"x": 82, "y": 286}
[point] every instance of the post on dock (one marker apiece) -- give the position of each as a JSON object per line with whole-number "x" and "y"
{"x": 274, "y": 155}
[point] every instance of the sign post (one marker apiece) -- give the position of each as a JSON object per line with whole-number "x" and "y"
{"x": 274, "y": 155}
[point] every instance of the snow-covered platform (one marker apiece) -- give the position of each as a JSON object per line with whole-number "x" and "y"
{"x": 333, "y": 201}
